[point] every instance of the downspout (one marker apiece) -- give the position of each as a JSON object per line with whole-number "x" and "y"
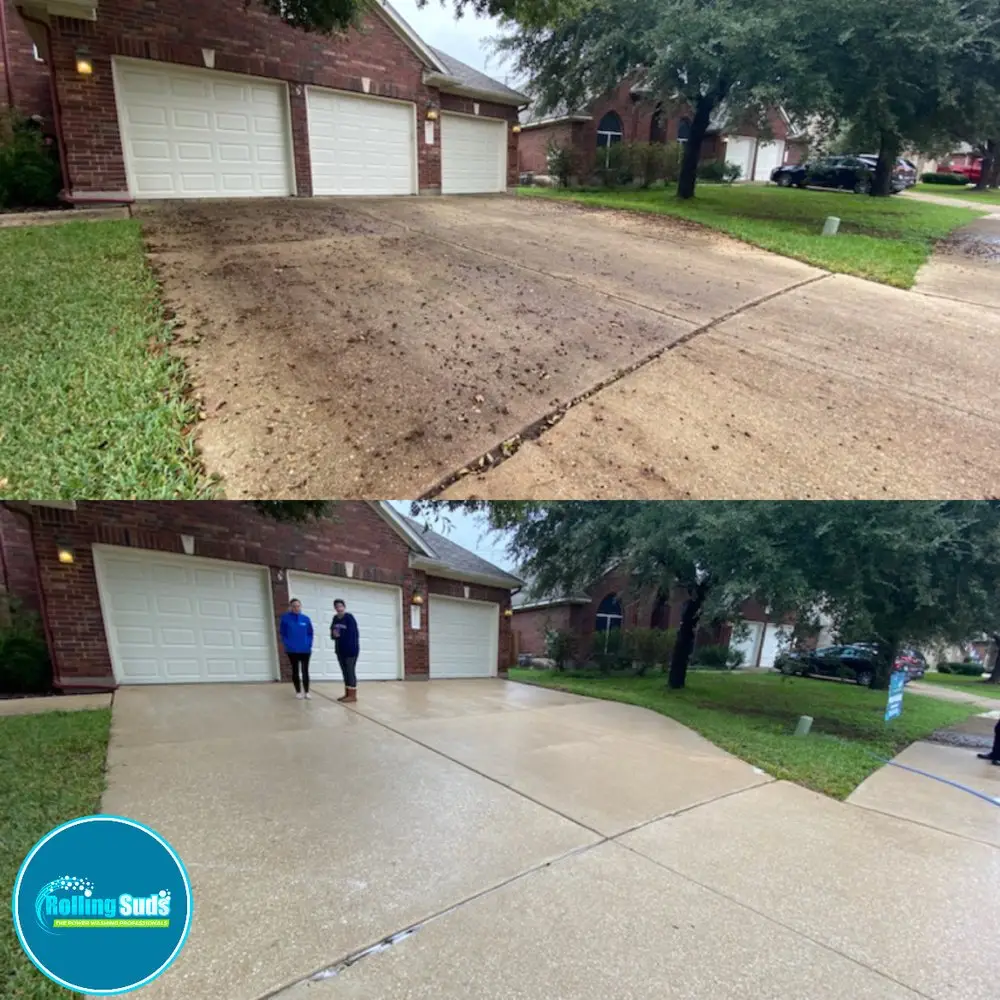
{"x": 6, "y": 53}
{"x": 54, "y": 93}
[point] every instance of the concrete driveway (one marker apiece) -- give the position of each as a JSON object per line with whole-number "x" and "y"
{"x": 484, "y": 839}
{"x": 372, "y": 348}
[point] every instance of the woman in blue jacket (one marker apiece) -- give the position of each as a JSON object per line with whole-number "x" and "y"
{"x": 344, "y": 632}
{"x": 297, "y": 637}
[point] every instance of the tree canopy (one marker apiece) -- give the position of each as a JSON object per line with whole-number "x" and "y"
{"x": 294, "y": 511}
{"x": 888, "y": 572}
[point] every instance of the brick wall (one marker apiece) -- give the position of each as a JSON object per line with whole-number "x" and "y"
{"x": 29, "y": 77}
{"x": 224, "y": 530}
{"x": 18, "y": 578}
{"x": 532, "y": 624}
{"x": 246, "y": 40}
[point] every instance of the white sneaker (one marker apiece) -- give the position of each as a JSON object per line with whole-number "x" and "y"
{"x": 299, "y": 695}
{"x": 308, "y": 695}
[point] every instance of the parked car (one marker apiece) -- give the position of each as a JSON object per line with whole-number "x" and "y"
{"x": 855, "y": 661}
{"x": 845, "y": 173}
{"x": 968, "y": 165}
{"x": 904, "y": 174}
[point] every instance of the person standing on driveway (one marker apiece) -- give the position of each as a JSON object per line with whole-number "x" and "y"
{"x": 994, "y": 754}
{"x": 297, "y": 637}
{"x": 344, "y": 632}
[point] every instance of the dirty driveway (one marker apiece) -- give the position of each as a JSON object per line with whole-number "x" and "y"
{"x": 537, "y": 844}
{"x": 372, "y": 348}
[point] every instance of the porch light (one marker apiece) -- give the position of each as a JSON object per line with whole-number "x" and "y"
{"x": 417, "y": 598}
{"x": 516, "y": 129}
{"x": 508, "y": 613}
{"x": 432, "y": 113}
{"x": 84, "y": 64}
{"x": 66, "y": 556}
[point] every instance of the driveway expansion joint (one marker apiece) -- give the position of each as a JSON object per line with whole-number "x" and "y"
{"x": 509, "y": 447}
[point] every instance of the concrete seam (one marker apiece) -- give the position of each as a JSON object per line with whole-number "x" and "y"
{"x": 335, "y": 968}
{"x": 921, "y": 823}
{"x": 469, "y": 767}
{"x": 952, "y": 298}
{"x": 779, "y": 923}
{"x": 509, "y": 446}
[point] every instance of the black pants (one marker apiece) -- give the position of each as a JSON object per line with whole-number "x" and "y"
{"x": 995, "y": 752}
{"x": 300, "y": 660}
{"x": 347, "y": 665}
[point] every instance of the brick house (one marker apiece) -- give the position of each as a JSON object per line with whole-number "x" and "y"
{"x": 221, "y": 99}
{"x": 140, "y": 592}
{"x": 631, "y": 114}
{"x": 612, "y": 603}
{"x": 24, "y": 77}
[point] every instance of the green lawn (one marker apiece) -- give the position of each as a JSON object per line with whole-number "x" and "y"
{"x": 989, "y": 198}
{"x": 91, "y": 403}
{"x": 51, "y": 771}
{"x": 971, "y": 685}
{"x": 753, "y": 716}
{"x": 883, "y": 239}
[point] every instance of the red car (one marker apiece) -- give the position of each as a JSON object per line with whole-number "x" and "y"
{"x": 968, "y": 164}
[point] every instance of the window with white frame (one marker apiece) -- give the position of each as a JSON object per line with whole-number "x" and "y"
{"x": 609, "y": 133}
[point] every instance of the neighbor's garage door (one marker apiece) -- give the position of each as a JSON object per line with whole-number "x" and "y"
{"x": 776, "y": 638}
{"x": 769, "y": 156}
{"x": 181, "y": 619}
{"x": 739, "y": 150}
{"x": 378, "y": 611}
{"x": 463, "y": 638}
{"x": 473, "y": 155}
{"x": 195, "y": 133}
{"x": 361, "y": 145}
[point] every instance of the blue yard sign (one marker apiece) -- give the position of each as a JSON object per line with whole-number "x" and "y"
{"x": 894, "y": 706}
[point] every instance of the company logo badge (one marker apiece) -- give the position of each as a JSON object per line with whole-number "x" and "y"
{"x": 116, "y": 918}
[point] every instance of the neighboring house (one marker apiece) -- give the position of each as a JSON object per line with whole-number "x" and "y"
{"x": 632, "y": 114}
{"x": 611, "y": 604}
{"x": 221, "y": 99}
{"x": 171, "y": 592}
{"x": 24, "y": 77}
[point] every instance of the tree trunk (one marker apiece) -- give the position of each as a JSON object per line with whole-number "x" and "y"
{"x": 888, "y": 151}
{"x": 686, "y": 633}
{"x": 692, "y": 148}
{"x": 989, "y": 161}
{"x": 994, "y": 677}
{"x": 884, "y": 661}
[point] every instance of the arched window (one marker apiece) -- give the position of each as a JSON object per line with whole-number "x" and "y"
{"x": 609, "y": 133}
{"x": 657, "y": 124}
{"x": 609, "y": 614}
{"x": 684, "y": 130}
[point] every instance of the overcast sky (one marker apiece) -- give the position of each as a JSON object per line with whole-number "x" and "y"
{"x": 464, "y": 37}
{"x": 468, "y": 530}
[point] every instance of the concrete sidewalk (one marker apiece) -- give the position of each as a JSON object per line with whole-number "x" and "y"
{"x": 945, "y": 693}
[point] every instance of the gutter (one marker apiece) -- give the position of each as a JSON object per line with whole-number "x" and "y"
{"x": 452, "y": 85}
{"x": 434, "y": 567}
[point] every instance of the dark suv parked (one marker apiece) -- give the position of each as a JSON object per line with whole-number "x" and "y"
{"x": 854, "y": 662}
{"x": 845, "y": 173}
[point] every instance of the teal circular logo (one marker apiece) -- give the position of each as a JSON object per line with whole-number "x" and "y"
{"x": 102, "y": 905}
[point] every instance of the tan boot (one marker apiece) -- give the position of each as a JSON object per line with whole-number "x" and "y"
{"x": 350, "y": 695}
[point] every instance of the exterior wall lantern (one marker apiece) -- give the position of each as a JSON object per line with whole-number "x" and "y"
{"x": 84, "y": 64}
{"x": 66, "y": 555}
{"x": 432, "y": 113}
{"x": 508, "y": 613}
{"x": 417, "y": 598}
{"x": 516, "y": 130}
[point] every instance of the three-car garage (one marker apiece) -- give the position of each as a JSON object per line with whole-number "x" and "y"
{"x": 199, "y": 133}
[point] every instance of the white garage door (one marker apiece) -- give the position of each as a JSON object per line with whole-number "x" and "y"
{"x": 473, "y": 155}
{"x": 463, "y": 638}
{"x": 749, "y": 643}
{"x": 739, "y": 150}
{"x": 361, "y": 145}
{"x": 195, "y": 133}
{"x": 769, "y": 156}
{"x": 180, "y": 619}
{"x": 378, "y": 612}
{"x": 776, "y": 638}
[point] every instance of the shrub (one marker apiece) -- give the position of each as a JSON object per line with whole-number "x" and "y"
{"x": 609, "y": 651}
{"x": 736, "y": 658}
{"x": 711, "y": 657}
{"x": 562, "y": 162}
{"x": 711, "y": 171}
{"x": 613, "y": 167}
{"x": 955, "y": 180}
{"x": 559, "y": 647}
{"x": 24, "y": 655}
{"x": 967, "y": 669}
{"x": 649, "y": 647}
{"x": 29, "y": 169}
{"x": 944, "y": 668}
{"x": 731, "y": 172}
